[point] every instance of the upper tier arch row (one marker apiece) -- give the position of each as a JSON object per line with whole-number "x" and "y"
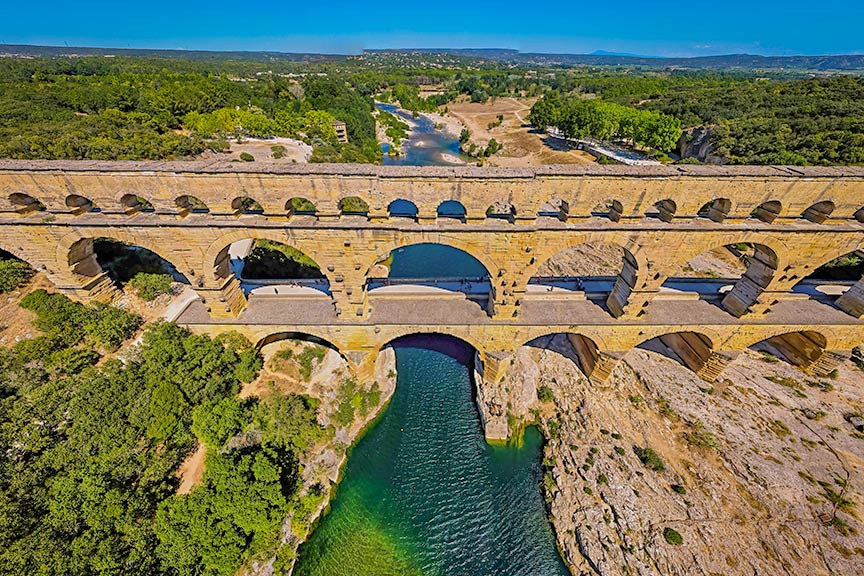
{"x": 326, "y": 192}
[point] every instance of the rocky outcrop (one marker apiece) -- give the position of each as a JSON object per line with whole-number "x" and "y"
{"x": 698, "y": 143}
{"x": 760, "y": 473}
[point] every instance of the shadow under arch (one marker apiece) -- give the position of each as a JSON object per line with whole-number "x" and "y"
{"x": 735, "y": 275}
{"x": 693, "y": 350}
{"x": 457, "y": 347}
{"x": 430, "y": 268}
{"x": 115, "y": 260}
{"x": 599, "y": 271}
{"x": 802, "y": 348}
{"x": 581, "y": 350}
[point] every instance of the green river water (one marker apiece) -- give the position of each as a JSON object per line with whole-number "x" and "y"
{"x": 423, "y": 493}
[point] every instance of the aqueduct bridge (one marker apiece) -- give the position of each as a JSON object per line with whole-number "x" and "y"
{"x": 511, "y": 220}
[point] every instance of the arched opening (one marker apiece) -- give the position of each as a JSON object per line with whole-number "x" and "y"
{"x": 128, "y": 267}
{"x": 428, "y": 269}
{"x": 298, "y": 359}
{"x": 611, "y": 209}
{"x": 859, "y": 215}
{"x": 269, "y": 268}
{"x": 598, "y": 272}
{"x": 353, "y": 206}
{"x": 402, "y": 209}
{"x": 14, "y": 272}
{"x": 502, "y": 211}
{"x": 554, "y": 208}
{"x": 246, "y": 205}
{"x": 716, "y": 210}
{"x": 840, "y": 281}
{"x": 134, "y": 204}
{"x": 767, "y": 211}
{"x": 191, "y": 205}
{"x": 690, "y": 349}
{"x": 25, "y": 204}
{"x": 819, "y": 212}
{"x": 80, "y": 204}
{"x": 734, "y": 276}
{"x": 801, "y": 349}
{"x": 663, "y": 210}
{"x": 581, "y": 350}
{"x": 452, "y": 209}
{"x": 298, "y": 206}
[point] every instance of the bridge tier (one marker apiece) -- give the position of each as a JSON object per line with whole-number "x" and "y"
{"x": 511, "y": 220}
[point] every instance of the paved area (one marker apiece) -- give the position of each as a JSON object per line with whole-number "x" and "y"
{"x": 426, "y": 310}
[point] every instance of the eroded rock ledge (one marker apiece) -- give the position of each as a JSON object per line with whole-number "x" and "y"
{"x": 760, "y": 473}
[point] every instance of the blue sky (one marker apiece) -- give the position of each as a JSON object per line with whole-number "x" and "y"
{"x": 340, "y": 26}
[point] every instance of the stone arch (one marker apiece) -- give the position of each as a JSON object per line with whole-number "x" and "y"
{"x": 767, "y": 211}
{"x": 819, "y": 212}
{"x": 454, "y": 333}
{"x": 299, "y": 206}
{"x": 694, "y": 350}
{"x": 132, "y": 204}
{"x": 275, "y": 337}
{"x": 25, "y": 204}
{"x": 716, "y": 210}
{"x": 353, "y": 206}
{"x": 190, "y": 205}
{"x": 436, "y": 269}
{"x": 580, "y": 349}
{"x": 622, "y": 275}
{"x": 554, "y": 208}
{"x": 80, "y": 205}
{"x": 847, "y": 269}
{"x": 401, "y": 208}
{"x": 759, "y": 262}
{"x": 384, "y": 251}
{"x": 452, "y": 209}
{"x": 663, "y": 210}
{"x": 502, "y": 211}
{"x": 246, "y": 205}
{"x": 217, "y": 259}
{"x": 611, "y": 209}
{"x": 76, "y": 253}
{"x": 801, "y": 348}
{"x": 859, "y": 215}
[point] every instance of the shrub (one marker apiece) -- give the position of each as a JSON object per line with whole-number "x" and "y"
{"x": 544, "y": 394}
{"x": 678, "y": 489}
{"x": 278, "y": 151}
{"x": 650, "y": 459}
{"x": 246, "y": 157}
{"x": 13, "y": 274}
{"x": 672, "y": 537}
{"x": 219, "y": 146}
{"x": 148, "y": 286}
{"x": 700, "y": 437}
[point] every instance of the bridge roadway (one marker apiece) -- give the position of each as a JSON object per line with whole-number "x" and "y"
{"x": 512, "y": 221}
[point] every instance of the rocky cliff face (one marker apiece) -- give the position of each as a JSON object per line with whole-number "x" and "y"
{"x": 759, "y": 473}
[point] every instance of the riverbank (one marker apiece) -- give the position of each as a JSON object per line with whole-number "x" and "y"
{"x": 432, "y": 139}
{"x": 325, "y": 380}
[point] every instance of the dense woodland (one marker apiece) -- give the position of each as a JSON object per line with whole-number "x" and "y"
{"x": 91, "y": 445}
{"x": 171, "y": 108}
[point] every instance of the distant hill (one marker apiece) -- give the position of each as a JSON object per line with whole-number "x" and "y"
{"x": 847, "y": 62}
